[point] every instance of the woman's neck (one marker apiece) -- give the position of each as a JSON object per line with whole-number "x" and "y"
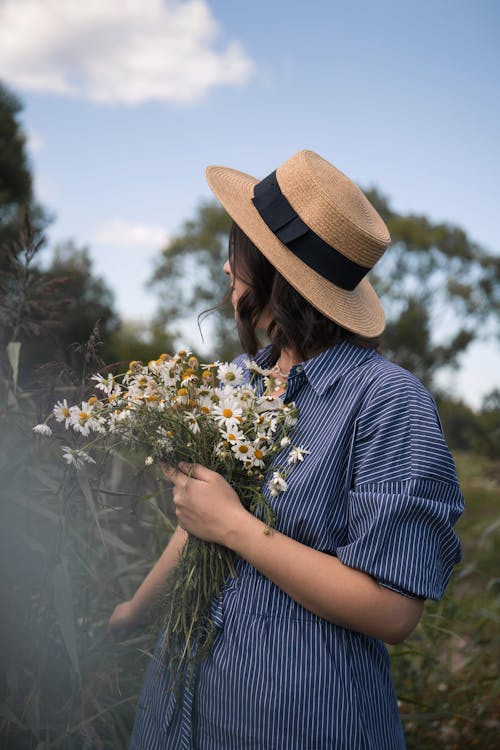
{"x": 287, "y": 359}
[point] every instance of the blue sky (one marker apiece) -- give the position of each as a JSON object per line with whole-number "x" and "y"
{"x": 127, "y": 101}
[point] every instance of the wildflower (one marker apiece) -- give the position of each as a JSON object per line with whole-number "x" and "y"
{"x": 228, "y": 411}
{"x": 297, "y": 454}
{"x": 192, "y": 422}
{"x": 285, "y": 441}
{"x": 149, "y": 460}
{"x": 258, "y": 456}
{"x": 230, "y": 374}
{"x": 75, "y": 457}
{"x": 243, "y": 452}
{"x": 104, "y": 384}
{"x": 42, "y": 429}
{"x": 62, "y": 412}
{"x": 277, "y": 484}
{"x": 233, "y": 435}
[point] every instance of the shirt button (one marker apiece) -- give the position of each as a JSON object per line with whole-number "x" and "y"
{"x": 299, "y": 368}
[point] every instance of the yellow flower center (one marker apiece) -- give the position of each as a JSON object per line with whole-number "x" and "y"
{"x": 206, "y": 375}
{"x": 182, "y": 392}
{"x": 83, "y": 416}
{"x": 258, "y": 454}
{"x": 65, "y": 412}
{"x": 152, "y": 398}
{"x": 231, "y": 436}
{"x": 92, "y": 399}
{"x": 205, "y": 410}
{"x": 227, "y": 413}
{"x": 243, "y": 448}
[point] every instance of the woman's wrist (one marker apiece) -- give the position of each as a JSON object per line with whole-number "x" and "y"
{"x": 239, "y": 529}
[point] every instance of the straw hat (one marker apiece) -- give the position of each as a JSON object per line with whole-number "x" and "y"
{"x": 317, "y": 229}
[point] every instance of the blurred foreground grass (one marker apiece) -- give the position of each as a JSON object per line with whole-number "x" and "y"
{"x": 71, "y": 549}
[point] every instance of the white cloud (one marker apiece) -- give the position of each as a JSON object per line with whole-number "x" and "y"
{"x": 123, "y": 233}
{"x": 117, "y": 51}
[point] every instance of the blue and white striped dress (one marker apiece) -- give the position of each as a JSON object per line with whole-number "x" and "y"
{"x": 379, "y": 491}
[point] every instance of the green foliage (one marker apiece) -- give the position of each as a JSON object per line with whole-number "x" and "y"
{"x": 440, "y": 289}
{"x": 15, "y": 174}
{"x": 69, "y": 551}
{"x": 467, "y": 430}
{"x": 16, "y": 188}
{"x": 201, "y": 244}
{"x": 140, "y": 341}
{"x": 446, "y": 674}
{"x": 52, "y": 312}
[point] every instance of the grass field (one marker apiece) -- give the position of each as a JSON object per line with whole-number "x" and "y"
{"x": 446, "y": 674}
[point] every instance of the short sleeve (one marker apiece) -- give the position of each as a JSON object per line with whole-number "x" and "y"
{"x": 404, "y": 497}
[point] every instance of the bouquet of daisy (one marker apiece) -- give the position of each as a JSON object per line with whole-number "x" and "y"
{"x": 176, "y": 409}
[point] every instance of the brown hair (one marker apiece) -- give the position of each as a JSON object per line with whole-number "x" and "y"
{"x": 295, "y": 324}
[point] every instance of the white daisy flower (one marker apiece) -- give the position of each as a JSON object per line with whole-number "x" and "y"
{"x": 228, "y": 411}
{"x": 42, "y": 429}
{"x": 258, "y": 455}
{"x": 205, "y": 404}
{"x": 277, "y": 484}
{"x": 83, "y": 419}
{"x": 192, "y": 423}
{"x": 169, "y": 373}
{"x": 62, "y": 412}
{"x": 246, "y": 394}
{"x": 233, "y": 435}
{"x": 285, "y": 441}
{"x": 230, "y": 374}
{"x": 76, "y": 457}
{"x": 269, "y": 403}
{"x": 297, "y": 454}
{"x": 149, "y": 460}
{"x": 106, "y": 384}
{"x": 244, "y": 452}
{"x": 291, "y": 415}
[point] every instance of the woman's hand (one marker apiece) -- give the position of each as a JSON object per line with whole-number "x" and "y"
{"x": 125, "y": 617}
{"x": 205, "y": 504}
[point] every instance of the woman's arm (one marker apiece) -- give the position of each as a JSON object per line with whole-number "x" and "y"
{"x": 137, "y": 610}
{"x": 208, "y": 507}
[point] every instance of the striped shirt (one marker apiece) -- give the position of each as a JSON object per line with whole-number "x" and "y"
{"x": 378, "y": 490}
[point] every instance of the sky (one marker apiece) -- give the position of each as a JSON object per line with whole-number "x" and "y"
{"x": 127, "y": 101}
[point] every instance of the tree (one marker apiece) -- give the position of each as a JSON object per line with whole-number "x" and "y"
{"x": 440, "y": 290}
{"x": 184, "y": 290}
{"x": 15, "y": 174}
{"x": 16, "y": 184}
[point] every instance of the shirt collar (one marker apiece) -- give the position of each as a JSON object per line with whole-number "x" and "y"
{"x": 326, "y": 368}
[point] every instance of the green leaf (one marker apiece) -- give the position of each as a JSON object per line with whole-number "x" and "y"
{"x": 84, "y": 484}
{"x": 13, "y": 350}
{"x": 63, "y": 604}
{"x": 8, "y": 714}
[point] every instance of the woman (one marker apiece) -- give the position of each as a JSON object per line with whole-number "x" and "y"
{"x": 364, "y": 532}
